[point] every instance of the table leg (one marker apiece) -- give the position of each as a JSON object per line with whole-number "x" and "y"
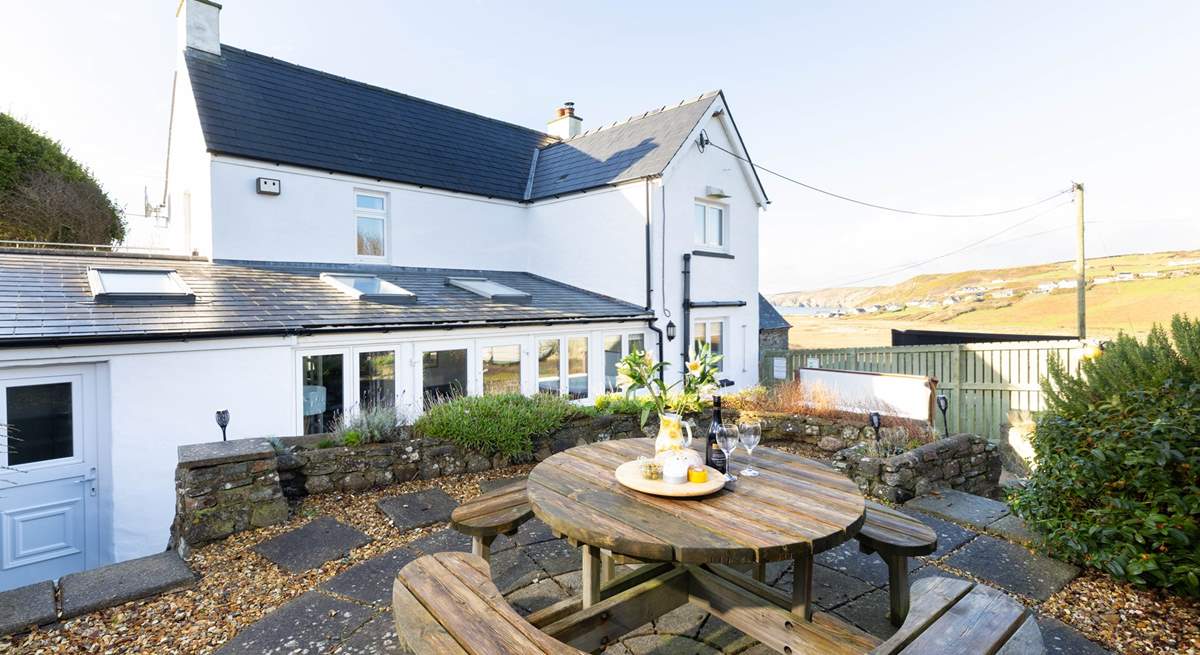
{"x": 482, "y": 547}
{"x": 607, "y": 567}
{"x": 802, "y": 572}
{"x": 760, "y": 571}
{"x": 591, "y": 575}
{"x": 898, "y": 592}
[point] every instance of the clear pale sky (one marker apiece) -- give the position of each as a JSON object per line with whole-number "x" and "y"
{"x": 937, "y": 106}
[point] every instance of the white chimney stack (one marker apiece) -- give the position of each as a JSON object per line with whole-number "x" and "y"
{"x": 565, "y": 124}
{"x": 199, "y": 24}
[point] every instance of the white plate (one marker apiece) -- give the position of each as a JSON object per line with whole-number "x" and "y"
{"x": 629, "y": 474}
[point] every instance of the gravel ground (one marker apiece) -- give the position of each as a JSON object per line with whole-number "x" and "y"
{"x": 238, "y": 587}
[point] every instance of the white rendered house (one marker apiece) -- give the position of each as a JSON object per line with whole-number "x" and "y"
{"x": 333, "y": 241}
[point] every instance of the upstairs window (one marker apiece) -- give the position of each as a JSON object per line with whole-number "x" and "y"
{"x": 116, "y": 284}
{"x": 711, "y": 226}
{"x": 370, "y": 212}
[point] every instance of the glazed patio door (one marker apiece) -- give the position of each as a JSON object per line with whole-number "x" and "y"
{"x": 49, "y": 521}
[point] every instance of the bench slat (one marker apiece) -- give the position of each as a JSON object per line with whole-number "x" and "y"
{"x": 454, "y": 591}
{"x": 888, "y": 531}
{"x": 934, "y": 596}
{"x": 416, "y": 626}
{"x": 981, "y": 622}
{"x": 499, "y": 511}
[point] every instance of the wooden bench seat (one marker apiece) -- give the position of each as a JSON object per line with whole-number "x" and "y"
{"x": 500, "y": 511}
{"x": 446, "y": 604}
{"x": 896, "y": 537}
{"x": 958, "y": 616}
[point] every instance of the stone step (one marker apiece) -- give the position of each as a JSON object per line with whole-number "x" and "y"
{"x": 114, "y": 584}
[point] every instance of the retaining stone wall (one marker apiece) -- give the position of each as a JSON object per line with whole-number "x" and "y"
{"x": 223, "y": 488}
{"x": 966, "y": 462}
{"x": 227, "y": 487}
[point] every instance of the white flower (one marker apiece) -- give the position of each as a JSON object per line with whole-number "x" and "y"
{"x": 694, "y": 368}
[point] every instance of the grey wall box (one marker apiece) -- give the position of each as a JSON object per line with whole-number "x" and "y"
{"x": 268, "y": 186}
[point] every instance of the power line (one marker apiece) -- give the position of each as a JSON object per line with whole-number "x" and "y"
{"x": 884, "y": 207}
{"x": 957, "y": 250}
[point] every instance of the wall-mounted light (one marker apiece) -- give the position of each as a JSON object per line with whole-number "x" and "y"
{"x": 715, "y": 193}
{"x": 670, "y": 330}
{"x": 223, "y": 421}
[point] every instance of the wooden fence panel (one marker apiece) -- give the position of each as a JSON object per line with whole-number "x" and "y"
{"x": 983, "y": 381}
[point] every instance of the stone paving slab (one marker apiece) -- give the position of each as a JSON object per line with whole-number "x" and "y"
{"x": 1012, "y": 567}
{"x": 556, "y": 556}
{"x": 685, "y": 621}
{"x": 950, "y": 536}
{"x": 1062, "y": 639}
{"x": 514, "y": 569}
{"x": 114, "y": 584}
{"x": 1012, "y": 527}
{"x": 960, "y": 507}
{"x": 312, "y": 623}
{"x": 442, "y": 541}
{"x": 667, "y": 645}
{"x": 371, "y": 581}
{"x": 531, "y": 532}
{"x": 831, "y": 588}
{"x": 533, "y": 597}
{"x": 418, "y": 509}
{"x": 375, "y": 637}
{"x": 25, "y": 607}
{"x": 311, "y": 545}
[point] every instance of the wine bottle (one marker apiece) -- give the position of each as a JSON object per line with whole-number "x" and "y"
{"x": 713, "y": 455}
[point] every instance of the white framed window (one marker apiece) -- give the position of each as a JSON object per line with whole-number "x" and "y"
{"x": 562, "y": 366}
{"x": 617, "y": 346}
{"x": 500, "y": 368}
{"x": 323, "y": 378}
{"x": 712, "y": 332}
{"x": 370, "y": 217}
{"x": 711, "y": 226}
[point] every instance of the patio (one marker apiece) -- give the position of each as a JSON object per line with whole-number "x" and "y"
{"x": 340, "y": 603}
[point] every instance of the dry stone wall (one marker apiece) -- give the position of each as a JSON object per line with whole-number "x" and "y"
{"x": 965, "y": 462}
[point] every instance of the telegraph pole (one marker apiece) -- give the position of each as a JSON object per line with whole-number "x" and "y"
{"x": 1080, "y": 269}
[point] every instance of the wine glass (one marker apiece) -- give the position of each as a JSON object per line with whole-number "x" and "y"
{"x": 751, "y": 434}
{"x": 727, "y": 439}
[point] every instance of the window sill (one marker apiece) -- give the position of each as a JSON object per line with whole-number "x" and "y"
{"x": 712, "y": 253}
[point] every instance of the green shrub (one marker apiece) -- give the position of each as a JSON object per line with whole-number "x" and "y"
{"x": 375, "y": 423}
{"x": 1117, "y": 483}
{"x": 326, "y": 443}
{"x": 618, "y": 403}
{"x": 505, "y": 423}
{"x": 352, "y": 438}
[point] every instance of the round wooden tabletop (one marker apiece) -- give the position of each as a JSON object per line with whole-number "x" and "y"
{"x": 796, "y": 506}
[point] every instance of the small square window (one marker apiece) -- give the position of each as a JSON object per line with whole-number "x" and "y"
{"x": 373, "y": 203}
{"x": 370, "y": 236}
{"x": 711, "y": 228}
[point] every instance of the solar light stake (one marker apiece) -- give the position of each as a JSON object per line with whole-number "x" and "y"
{"x": 876, "y": 421}
{"x": 223, "y": 421}
{"x": 943, "y": 403}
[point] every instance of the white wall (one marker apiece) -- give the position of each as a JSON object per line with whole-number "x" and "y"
{"x": 313, "y": 220}
{"x": 164, "y": 394}
{"x": 593, "y": 240}
{"x": 713, "y": 279}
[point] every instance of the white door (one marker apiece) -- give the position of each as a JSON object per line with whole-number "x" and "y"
{"x": 49, "y": 523}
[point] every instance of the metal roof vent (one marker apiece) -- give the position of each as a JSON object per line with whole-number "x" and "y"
{"x": 493, "y": 291}
{"x": 369, "y": 288}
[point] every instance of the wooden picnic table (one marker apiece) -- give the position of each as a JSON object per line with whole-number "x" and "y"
{"x": 797, "y": 507}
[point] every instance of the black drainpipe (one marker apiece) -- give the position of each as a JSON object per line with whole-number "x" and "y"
{"x": 687, "y": 306}
{"x": 650, "y": 290}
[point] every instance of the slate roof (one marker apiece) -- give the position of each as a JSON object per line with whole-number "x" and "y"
{"x": 639, "y": 147}
{"x": 255, "y": 106}
{"x": 45, "y": 298}
{"x": 769, "y": 318}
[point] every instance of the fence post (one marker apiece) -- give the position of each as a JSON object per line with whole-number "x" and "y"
{"x": 956, "y": 374}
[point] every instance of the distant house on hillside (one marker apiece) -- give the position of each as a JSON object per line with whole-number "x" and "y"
{"x": 1148, "y": 274}
{"x": 1125, "y": 277}
{"x": 892, "y": 307}
{"x": 1066, "y": 284}
{"x": 950, "y": 300}
{"x": 972, "y": 289}
{"x": 1003, "y": 293}
{"x": 1046, "y": 287}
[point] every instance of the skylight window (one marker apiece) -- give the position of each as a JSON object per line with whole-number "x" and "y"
{"x": 115, "y": 284}
{"x": 491, "y": 290}
{"x": 369, "y": 288}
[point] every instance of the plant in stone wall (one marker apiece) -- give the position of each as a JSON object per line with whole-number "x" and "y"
{"x": 372, "y": 423}
{"x": 1117, "y": 483}
{"x": 502, "y": 423}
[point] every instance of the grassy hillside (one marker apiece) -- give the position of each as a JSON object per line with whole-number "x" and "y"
{"x": 1130, "y": 306}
